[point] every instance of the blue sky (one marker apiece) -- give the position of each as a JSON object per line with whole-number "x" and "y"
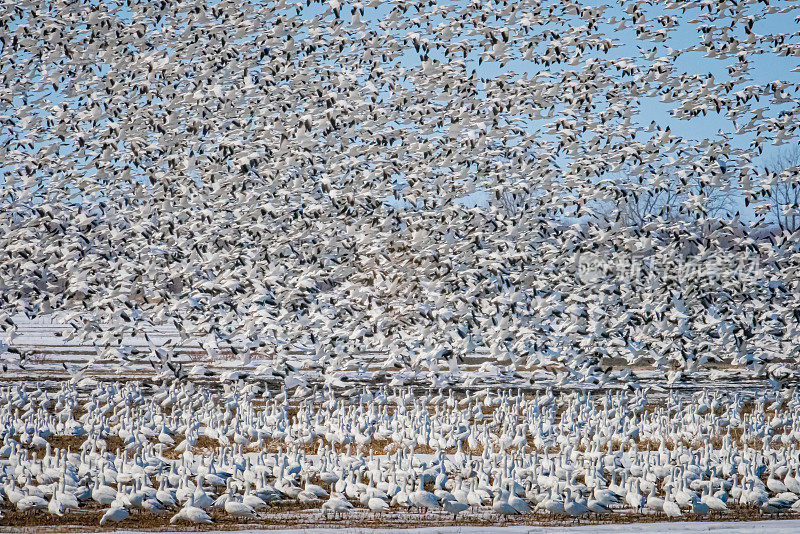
{"x": 763, "y": 68}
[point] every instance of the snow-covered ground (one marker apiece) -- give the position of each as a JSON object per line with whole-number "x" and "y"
{"x": 49, "y": 356}
{"x": 769, "y": 527}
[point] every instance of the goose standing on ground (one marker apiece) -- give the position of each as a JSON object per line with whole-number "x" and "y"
{"x": 115, "y": 514}
{"x": 191, "y": 513}
{"x": 670, "y": 507}
{"x": 574, "y": 507}
{"x": 454, "y": 507}
{"x": 500, "y": 505}
{"x": 423, "y": 500}
{"x": 377, "y": 506}
{"x": 336, "y": 504}
{"x": 236, "y": 508}
{"x": 62, "y": 480}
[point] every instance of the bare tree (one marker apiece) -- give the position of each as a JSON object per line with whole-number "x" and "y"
{"x": 783, "y": 171}
{"x": 670, "y": 196}
{"x": 644, "y": 203}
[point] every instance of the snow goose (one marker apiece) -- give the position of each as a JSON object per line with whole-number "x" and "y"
{"x": 454, "y": 507}
{"x": 191, "y": 513}
{"x": 114, "y": 514}
{"x": 653, "y": 503}
{"x": 597, "y": 506}
{"x": 317, "y": 490}
{"x": 606, "y": 497}
{"x": 66, "y": 498}
{"x": 423, "y": 500}
{"x": 670, "y": 507}
{"x": 500, "y": 505}
{"x": 774, "y": 485}
{"x": 31, "y": 503}
{"x": 459, "y": 493}
{"x": 475, "y": 497}
{"x": 552, "y": 504}
{"x": 54, "y": 507}
{"x": 164, "y": 495}
{"x": 774, "y": 506}
{"x": 153, "y": 506}
{"x": 520, "y": 505}
{"x": 634, "y": 499}
{"x": 236, "y": 508}
{"x": 574, "y": 507}
{"x": 791, "y": 482}
{"x": 715, "y": 504}
{"x": 254, "y": 501}
{"x": 699, "y": 508}
{"x": 200, "y": 498}
{"x": 102, "y": 493}
{"x": 377, "y": 506}
{"x": 306, "y": 497}
{"x": 336, "y": 504}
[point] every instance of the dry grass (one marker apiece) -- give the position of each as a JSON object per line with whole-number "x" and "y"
{"x": 206, "y": 443}
{"x": 114, "y": 443}
{"x": 79, "y": 412}
{"x": 385, "y": 446}
{"x": 73, "y": 443}
{"x": 282, "y": 515}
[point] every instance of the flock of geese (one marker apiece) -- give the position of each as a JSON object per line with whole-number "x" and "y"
{"x": 553, "y": 185}
{"x": 186, "y": 453}
{"x": 417, "y": 178}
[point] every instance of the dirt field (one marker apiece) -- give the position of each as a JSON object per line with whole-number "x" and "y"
{"x": 292, "y": 515}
